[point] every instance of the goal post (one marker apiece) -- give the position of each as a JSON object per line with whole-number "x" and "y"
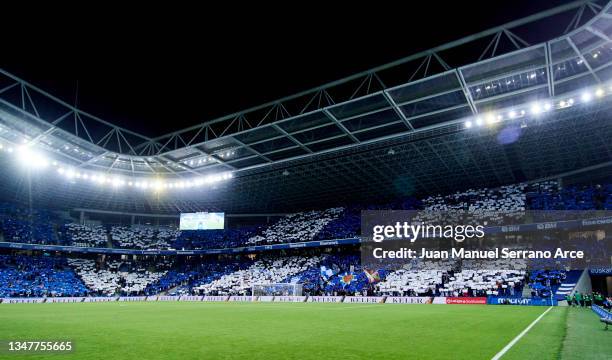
{"x": 279, "y": 289}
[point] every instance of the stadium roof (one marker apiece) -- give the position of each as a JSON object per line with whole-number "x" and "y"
{"x": 402, "y": 128}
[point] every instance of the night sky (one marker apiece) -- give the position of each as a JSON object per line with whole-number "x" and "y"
{"x": 176, "y": 68}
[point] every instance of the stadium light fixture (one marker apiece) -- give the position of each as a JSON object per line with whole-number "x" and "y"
{"x": 31, "y": 159}
{"x": 27, "y": 155}
{"x": 490, "y": 119}
{"x": 586, "y": 97}
{"x": 536, "y": 108}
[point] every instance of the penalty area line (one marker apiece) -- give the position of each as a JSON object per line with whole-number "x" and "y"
{"x": 519, "y": 336}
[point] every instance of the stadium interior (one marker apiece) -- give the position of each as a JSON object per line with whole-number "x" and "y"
{"x": 93, "y": 212}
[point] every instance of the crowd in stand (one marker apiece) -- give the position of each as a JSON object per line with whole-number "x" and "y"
{"x": 84, "y": 235}
{"x": 118, "y": 277}
{"x": 331, "y": 273}
{"x": 214, "y": 239}
{"x": 265, "y": 271}
{"x": 143, "y": 237}
{"x": 297, "y": 227}
{"x": 18, "y": 224}
{"x": 35, "y": 276}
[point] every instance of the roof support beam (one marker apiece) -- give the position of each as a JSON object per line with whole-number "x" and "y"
{"x": 339, "y": 124}
{"x": 397, "y": 110}
{"x": 466, "y": 91}
{"x": 292, "y": 138}
{"x": 586, "y": 63}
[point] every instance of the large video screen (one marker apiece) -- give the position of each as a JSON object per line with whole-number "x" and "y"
{"x": 202, "y": 221}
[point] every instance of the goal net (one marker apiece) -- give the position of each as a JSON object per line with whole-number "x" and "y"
{"x": 277, "y": 289}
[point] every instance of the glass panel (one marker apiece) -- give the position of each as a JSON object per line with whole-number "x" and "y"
{"x": 328, "y": 144}
{"x": 272, "y": 145}
{"x": 359, "y": 106}
{"x": 424, "y": 88}
{"x": 248, "y": 162}
{"x": 526, "y": 59}
{"x": 560, "y": 51}
{"x": 317, "y": 134}
{"x": 441, "y": 117}
{"x": 257, "y": 135}
{"x": 383, "y": 131}
{"x": 304, "y": 122}
{"x": 509, "y": 84}
{"x": 286, "y": 154}
{"x": 599, "y": 56}
{"x": 435, "y": 103}
{"x": 569, "y": 68}
{"x": 513, "y": 100}
{"x": 585, "y": 40}
{"x": 368, "y": 121}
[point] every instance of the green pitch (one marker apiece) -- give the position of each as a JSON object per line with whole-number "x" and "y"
{"x": 183, "y": 330}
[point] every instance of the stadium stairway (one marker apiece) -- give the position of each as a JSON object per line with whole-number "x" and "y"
{"x": 568, "y": 284}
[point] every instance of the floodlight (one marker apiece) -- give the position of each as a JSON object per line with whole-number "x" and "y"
{"x": 536, "y": 108}
{"x": 586, "y": 97}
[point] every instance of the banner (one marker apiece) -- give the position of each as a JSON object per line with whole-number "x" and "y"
{"x": 215, "y": 298}
{"x": 240, "y": 298}
{"x": 100, "y": 299}
{"x": 132, "y": 298}
{"x": 409, "y": 300}
{"x": 265, "y": 298}
{"x": 290, "y": 298}
{"x": 467, "y": 300}
{"x": 23, "y": 300}
{"x": 494, "y": 300}
{"x": 365, "y": 299}
{"x": 65, "y": 300}
{"x": 190, "y": 298}
{"x": 601, "y": 271}
{"x": 168, "y": 298}
{"x": 151, "y": 298}
{"x": 325, "y": 299}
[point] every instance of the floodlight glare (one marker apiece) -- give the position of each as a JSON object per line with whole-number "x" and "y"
{"x": 536, "y": 108}
{"x": 586, "y": 97}
{"x": 468, "y": 124}
{"x": 599, "y": 92}
{"x": 31, "y": 159}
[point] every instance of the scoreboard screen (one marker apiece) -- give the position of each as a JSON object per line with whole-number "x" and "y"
{"x": 202, "y": 221}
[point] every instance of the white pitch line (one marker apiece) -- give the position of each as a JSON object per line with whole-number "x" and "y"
{"x": 519, "y": 336}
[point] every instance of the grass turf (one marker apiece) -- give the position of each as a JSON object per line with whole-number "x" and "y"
{"x": 586, "y": 338}
{"x": 182, "y": 330}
